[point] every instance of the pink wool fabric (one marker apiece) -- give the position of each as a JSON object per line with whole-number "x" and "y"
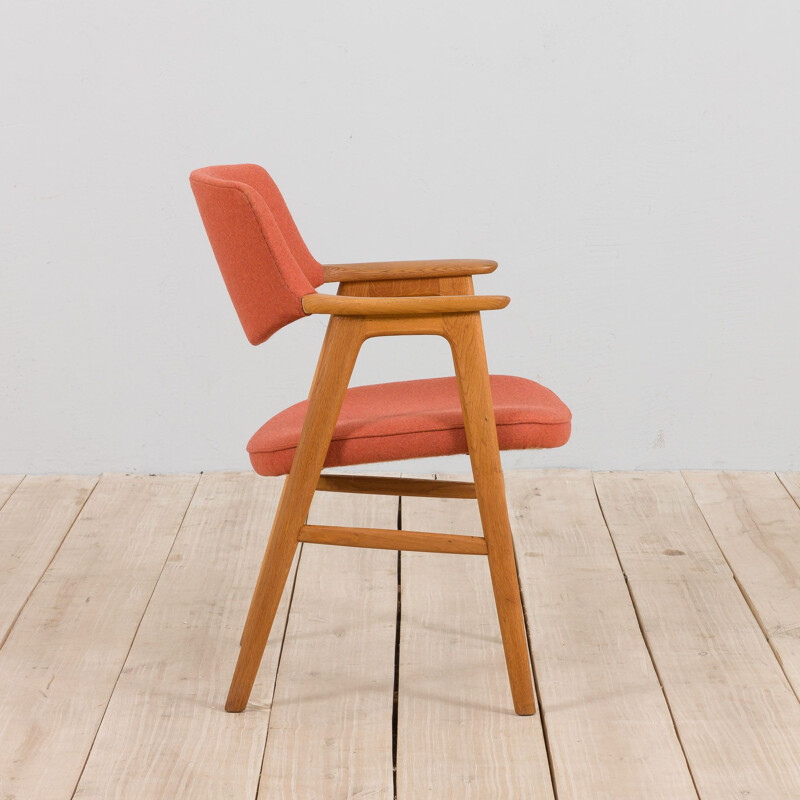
{"x": 267, "y": 270}
{"x": 415, "y": 419}
{"x": 265, "y": 264}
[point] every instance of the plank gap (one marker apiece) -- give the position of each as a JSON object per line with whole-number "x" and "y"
{"x": 330, "y": 727}
{"x": 165, "y": 733}
{"x": 646, "y": 641}
{"x": 396, "y": 686}
{"x": 8, "y": 485}
{"x": 135, "y": 634}
{"x": 739, "y": 720}
{"x": 64, "y": 657}
{"x": 280, "y": 655}
{"x": 751, "y": 603}
{"x": 33, "y": 586}
{"x": 458, "y": 735}
{"x": 537, "y": 693}
{"x": 782, "y": 479}
{"x": 754, "y": 611}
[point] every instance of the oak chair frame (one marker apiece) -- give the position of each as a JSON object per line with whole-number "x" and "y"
{"x": 390, "y": 299}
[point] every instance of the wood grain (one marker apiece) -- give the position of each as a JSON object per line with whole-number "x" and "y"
{"x": 63, "y": 657}
{"x": 409, "y": 287}
{"x": 357, "y": 316}
{"x": 165, "y": 733}
{"x": 465, "y": 335}
{"x": 757, "y": 526}
{"x": 609, "y": 729}
{"x": 734, "y": 710}
{"x": 8, "y": 483}
{"x": 458, "y": 736}
{"x": 393, "y": 540}
{"x": 399, "y": 270}
{"x": 330, "y": 733}
{"x": 341, "y": 305}
{"x": 791, "y": 480}
{"x": 340, "y": 347}
{"x": 33, "y": 522}
{"x": 382, "y": 484}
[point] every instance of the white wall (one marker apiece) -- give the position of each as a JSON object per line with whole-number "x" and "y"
{"x": 633, "y": 166}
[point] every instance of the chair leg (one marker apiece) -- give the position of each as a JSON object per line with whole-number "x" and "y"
{"x": 469, "y": 357}
{"x": 263, "y": 607}
{"x": 505, "y": 582}
{"x": 339, "y": 350}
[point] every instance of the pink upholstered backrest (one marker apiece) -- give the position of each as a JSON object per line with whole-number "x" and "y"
{"x": 266, "y": 266}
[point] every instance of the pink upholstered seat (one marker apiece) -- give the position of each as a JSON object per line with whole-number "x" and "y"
{"x": 269, "y": 271}
{"x": 415, "y": 419}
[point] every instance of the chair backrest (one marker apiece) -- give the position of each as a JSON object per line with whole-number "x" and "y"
{"x": 264, "y": 261}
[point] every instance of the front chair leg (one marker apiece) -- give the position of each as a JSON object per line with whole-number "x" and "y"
{"x": 465, "y": 335}
{"x": 264, "y": 605}
{"x": 334, "y": 368}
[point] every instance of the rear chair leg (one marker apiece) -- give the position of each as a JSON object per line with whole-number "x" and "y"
{"x": 469, "y": 357}
{"x": 339, "y": 350}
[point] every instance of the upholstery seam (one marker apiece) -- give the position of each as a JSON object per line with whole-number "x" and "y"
{"x": 223, "y": 185}
{"x": 271, "y": 251}
{"x": 408, "y": 433}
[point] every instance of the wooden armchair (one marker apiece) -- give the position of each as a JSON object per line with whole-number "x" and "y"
{"x": 271, "y": 277}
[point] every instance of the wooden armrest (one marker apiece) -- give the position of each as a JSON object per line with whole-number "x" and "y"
{"x": 398, "y": 270}
{"x": 343, "y": 305}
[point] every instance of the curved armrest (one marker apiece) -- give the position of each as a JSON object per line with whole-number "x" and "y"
{"x": 344, "y": 306}
{"x": 398, "y": 270}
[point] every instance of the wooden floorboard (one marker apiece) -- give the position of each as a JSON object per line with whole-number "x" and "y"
{"x": 122, "y": 640}
{"x": 330, "y": 732}
{"x": 791, "y": 480}
{"x": 65, "y": 652}
{"x": 166, "y": 733}
{"x": 8, "y": 483}
{"x": 458, "y": 736}
{"x": 757, "y": 525}
{"x": 735, "y": 712}
{"x": 610, "y": 733}
{"x": 33, "y": 522}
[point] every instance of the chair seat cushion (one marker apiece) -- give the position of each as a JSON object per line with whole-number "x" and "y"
{"x": 414, "y": 419}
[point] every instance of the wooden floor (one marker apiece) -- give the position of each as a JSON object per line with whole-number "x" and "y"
{"x": 663, "y": 613}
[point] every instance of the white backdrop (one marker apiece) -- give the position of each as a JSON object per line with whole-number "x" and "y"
{"x": 632, "y": 166}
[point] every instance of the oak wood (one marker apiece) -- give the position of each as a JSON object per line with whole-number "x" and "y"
{"x": 756, "y": 524}
{"x": 410, "y": 287}
{"x": 33, "y": 523}
{"x": 337, "y": 357}
{"x": 341, "y": 305}
{"x": 430, "y": 325}
{"x": 62, "y": 659}
{"x": 164, "y": 734}
{"x": 330, "y": 730}
{"x": 609, "y": 730}
{"x": 393, "y": 540}
{"x": 457, "y": 736}
{"x": 394, "y": 270}
{"x": 733, "y": 708}
{"x": 465, "y": 336}
{"x": 409, "y": 487}
{"x": 358, "y": 314}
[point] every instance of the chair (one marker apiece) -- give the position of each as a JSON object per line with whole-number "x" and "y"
{"x": 272, "y": 279}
